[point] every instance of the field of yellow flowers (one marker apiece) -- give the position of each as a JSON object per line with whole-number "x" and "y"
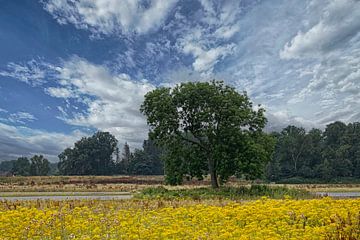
{"x": 181, "y": 219}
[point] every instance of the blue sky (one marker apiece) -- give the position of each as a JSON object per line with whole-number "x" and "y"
{"x": 71, "y": 67}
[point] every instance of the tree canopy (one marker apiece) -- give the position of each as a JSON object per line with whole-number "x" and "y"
{"x": 39, "y": 166}
{"x": 93, "y": 155}
{"x": 21, "y": 167}
{"x": 207, "y": 127}
{"x": 146, "y": 161}
{"x": 324, "y": 155}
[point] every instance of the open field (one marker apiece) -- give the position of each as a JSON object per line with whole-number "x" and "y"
{"x": 78, "y": 183}
{"x": 133, "y": 184}
{"x": 181, "y": 219}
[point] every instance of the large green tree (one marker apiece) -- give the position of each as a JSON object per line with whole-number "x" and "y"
{"x": 93, "y": 155}
{"x": 207, "y": 128}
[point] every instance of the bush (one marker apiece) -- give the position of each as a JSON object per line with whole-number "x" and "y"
{"x": 243, "y": 192}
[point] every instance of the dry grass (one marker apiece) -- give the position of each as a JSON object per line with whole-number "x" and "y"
{"x": 133, "y": 184}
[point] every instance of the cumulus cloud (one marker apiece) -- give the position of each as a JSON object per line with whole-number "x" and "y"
{"x": 338, "y": 24}
{"x": 112, "y": 100}
{"x": 111, "y": 16}
{"x": 23, "y": 141}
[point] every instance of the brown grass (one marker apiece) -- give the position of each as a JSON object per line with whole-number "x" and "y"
{"x": 130, "y": 184}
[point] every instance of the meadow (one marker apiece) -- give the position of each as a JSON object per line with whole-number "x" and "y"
{"x": 239, "y": 210}
{"x": 181, "y": 219}
{"x": 134, "y": 184}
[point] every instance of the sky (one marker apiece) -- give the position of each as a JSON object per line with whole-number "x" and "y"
{"x": 71, "y": 67}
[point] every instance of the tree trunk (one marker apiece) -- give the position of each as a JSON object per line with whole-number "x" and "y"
{"x": 212, "y": 170}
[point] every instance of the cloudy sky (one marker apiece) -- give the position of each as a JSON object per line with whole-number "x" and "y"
{"x": 71, "y": 67}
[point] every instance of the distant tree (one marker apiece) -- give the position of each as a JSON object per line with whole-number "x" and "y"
{"x": 139, "y": 164}
{"x": 6, "y": 166}
{"x": 334, "y": 134}
{"x": 314, "y": 147}
{"x": 352, "y": 140}
{"x": 337, "y": 149}
{"x": 90, "y": 156}
{"x": 294, "y": 140}
{"x": 146, "y": 161}
{"x": 273, "y": 168}
{"x": 53, "y": 168}
{"x": 21, "y": 167}
{"x": 207, "y": 128}
{"x": 326, "y": 171}
{"x": 328, "y": 155}
{"x": 126, "y": 158}
{"x": 154, "y": 154}
{"x": 39, "y": 166}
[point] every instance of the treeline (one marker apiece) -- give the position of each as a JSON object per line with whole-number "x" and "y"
{"x": 299, "y": 155}
{"x": 35, "y": 166}
{"x": 99, "y": 155}
{"x": 95, "y": 155}
{"x": 318, "y": 155}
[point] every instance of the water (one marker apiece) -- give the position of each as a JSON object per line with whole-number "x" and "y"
{"x": 340, "y": 194}
{"x": 82, "y": 197}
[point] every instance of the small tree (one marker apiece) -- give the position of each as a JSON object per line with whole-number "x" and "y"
{"x": 207, "y": 128}
{"x": 39, "y": 166}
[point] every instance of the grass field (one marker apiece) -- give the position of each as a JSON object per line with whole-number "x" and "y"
{"x": 132, "y": 184}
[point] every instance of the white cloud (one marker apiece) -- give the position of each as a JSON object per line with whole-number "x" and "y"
{"x": 206, "y": 59}
{"x": 338, "y": 24}
{"x": 115, "y": 99}
{"x": 59, "y": 92}
{"x": 112, "y": 101}
{"x": 277, "y": 120}
{"x": 31, "y": 72}
{"x": 210, "y": 39}
{"x": 21, "y": 117}
{"x": 111, "y": 16}
{"x": 22, "y": 141}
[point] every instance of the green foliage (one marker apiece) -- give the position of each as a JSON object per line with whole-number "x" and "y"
{"x": 207, "y": 128}
{"x": 39, "y": 166}
{"x": 6, "y": 166}
{"x": 243, "y": 192}
{"x": 90, "y": 156}
{"x": 21, "y": 167}
{"x": 146, "y": 161}
{"x": 320, "y": 156}
{"x": 126, "y": 158}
